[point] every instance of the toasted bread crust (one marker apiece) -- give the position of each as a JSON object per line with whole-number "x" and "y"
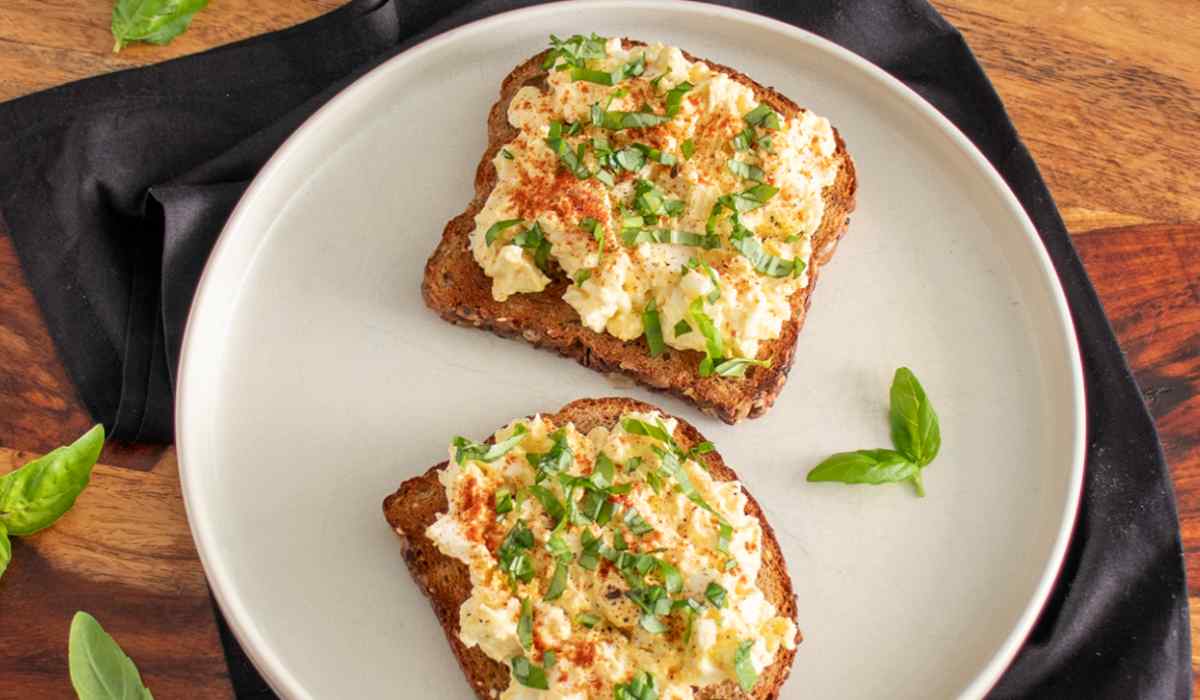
{"x": 456, "y": 287}
{"x": 446, "y": 581}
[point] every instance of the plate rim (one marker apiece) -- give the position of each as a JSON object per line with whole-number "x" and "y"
{"x": 239, "y": 618}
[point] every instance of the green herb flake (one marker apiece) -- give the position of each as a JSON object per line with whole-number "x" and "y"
{"x": 687, "y": 148}
{"x": 503, "y": 500}
{"x": 525, "y": 624}
{"x": 675, "y": 97}
{"x": 736, "y": 366}
{"x": 641, "y": 687}
{"x": 715, "y": 593}
{"x": 714, "y": 348}
{"x": 465, "y": 449}
{"x": 506, "y": 153}
{"x": 654, "y": 336}
{"x": 495, "y": 229}
{"x": 587, "y": 619}
{"x": 763, "y": 116}
{"x": 745, "y": 170}
{"x": 743, "y": 668}
{"x": 529, "y": 675}
{"x": 558, "y": 582}
{"x": 682, "y": 328}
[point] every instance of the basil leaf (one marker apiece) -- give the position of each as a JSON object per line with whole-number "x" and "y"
{"x": 715, "y": 593}
{"x": 506, "y": 153}
{"x": 696, "y": 264}
{"x": 688, "y": 147}
{"x": 736, "y": 366}
{"x": 714, "y": 348}
{"x": 652, "y": 624}
{"x": 574, "y": 51}
{"x": 525, "y": 624}
{"x": 554, "y": 508}
{"x": 587, "y": 619}
{"x": 675, "y": 97}
{"x": 654, "y": 336}
{"x": 99, "y": 668}
{"x": 597, "y": 231}
{"x": 594, "y": 76}
{"x": 504, "y": 501}
{"x": 529, "y": 675}
{"x": 604, "y": 472}
{"x": 754, "y": 197}
{"x": 915, "y": 430}
{"x": 640, "y": 687}
{"x": 589, "y": 555}
{"x": 5, "y": 549}
{"x": 152, "y": 21}
{"x": 745, "y": 242}
{"x": 672, "y": 579}
{"x": 655, "y": 155}
{"x": 745, "y": 170}
{"x": 701, "y": 448}
{"x": 558, "y": 459}
{"x": 744, "y": 139}
{"x": 682, "y": 328}
{"x": 630, "y": 158}
{"x": 616, "y": 120}
{"x": 533, "y": 238}
{"x": 743, "y": 668}
{"x": 571, "y": 160}
{"x": 724, "y": 537}
{"x": 635, "y": 426}
{"x": 466, "y": 449}
{"x": 511, "y": 555}
{"x": 494, "y": 230}
{"x": 37, "y": 494}
{"x": 558, "y": 548}
{"x": 864, "y": 467}
{"x": 763, "y": 116}
{"x": 637, "y": 236}
{"x": 558, "y": 583}
{"x": 605, "y": 177}
{"x": 636, "y": 523}
{"x": 582, "y": 276}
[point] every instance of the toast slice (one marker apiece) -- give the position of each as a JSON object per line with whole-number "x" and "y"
{"x": 446, "y": 581}
{"x": 456, "y": 287}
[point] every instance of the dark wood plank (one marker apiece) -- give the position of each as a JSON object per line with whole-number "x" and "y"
{"x": 124, "y": 554}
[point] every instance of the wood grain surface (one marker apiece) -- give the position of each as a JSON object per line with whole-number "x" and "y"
{"x": 1105, "y": 93}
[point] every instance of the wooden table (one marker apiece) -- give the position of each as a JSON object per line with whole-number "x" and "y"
{"x": 1106, "y": 95}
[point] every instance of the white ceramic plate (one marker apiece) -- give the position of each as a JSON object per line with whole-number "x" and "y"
{"x": 314, "y": 380}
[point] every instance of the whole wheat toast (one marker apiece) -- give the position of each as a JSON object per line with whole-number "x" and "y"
{"x": 456, "y": 287}
{"x": 446, "y": 581}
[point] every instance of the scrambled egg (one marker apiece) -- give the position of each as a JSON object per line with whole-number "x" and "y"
{"x": 607, "y": 559}
{"x": 703, "y": 193}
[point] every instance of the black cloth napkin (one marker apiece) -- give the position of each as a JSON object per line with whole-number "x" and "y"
{"x": 115, "y": 188}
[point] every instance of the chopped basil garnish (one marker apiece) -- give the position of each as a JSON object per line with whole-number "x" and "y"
{"x": 754, "y": 197}
{"x": 554, "y": 507}
{"x": 630, "y": 158}
{"x": 744, "y": 139}
{"x": 652, "y": 624}
{"x": 745, "y": 242}
{"x": 534, "y": 239}
{"x": 688, "y": 147}
{"x": 558, "y": 583}
{"x": 558, "y": 547}
{"x": 701, "y": 448}
{"x": 573, "y": 51}
{"x": 582, "y": 276}
{"x": 682, "y": 328}
{"x": 506, "y": 153}
{"x": 635, "y": 426}
{"x": 465, "y": 449}
{"x": 605, "y": 177}
{"x": 654, "y": 336}
{"x": 591, "y": 225}
{"x": 589, "y": 556}
{"x": 746, "y": 675}
{"x": 512, "y": 553}
{"x": 595, "y": 76}
{"x": 763, "y": 116}
{"x": 635, "y": 236}
{"x": 655, "y": 155}
{"x": 587, "y": 619}
{"x": 616, "y": 120}
{"x": 571, "y": 160}
{"x": 525, "y": 624}
{"x": 714, "y": 348}
{"x": 495, "y": 229}
{"x": 745, "y": 170}
{"x": 675, "y": 97}
{"x": 671, "y": 577}
{"x": 558, "y": 459}
{"x": 636, "y": 523}
{"x": 715, "y": 593}
{"x": 548, "y": 658}
{"x": 504, "y": 501}
{"x": 696, "y": 264}
{"x": 603, "y": 473}
{"x": 529, "y": 675}
{"x": 724, "y": 537}
{"x": 736, "y": 366}
{"x": 640, "y": 687}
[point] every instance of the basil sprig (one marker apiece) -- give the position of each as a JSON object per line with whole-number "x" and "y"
{"x": 100, "y": 669}
{"x": 465, "y": 449}
{"x": 151, "y": 21}
{"x": 916, "y": 435}
{"x": 36, "y": 495}
{"x": 743, "y": 668}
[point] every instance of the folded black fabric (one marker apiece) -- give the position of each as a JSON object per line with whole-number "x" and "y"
{"x": 115, "y": 188}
